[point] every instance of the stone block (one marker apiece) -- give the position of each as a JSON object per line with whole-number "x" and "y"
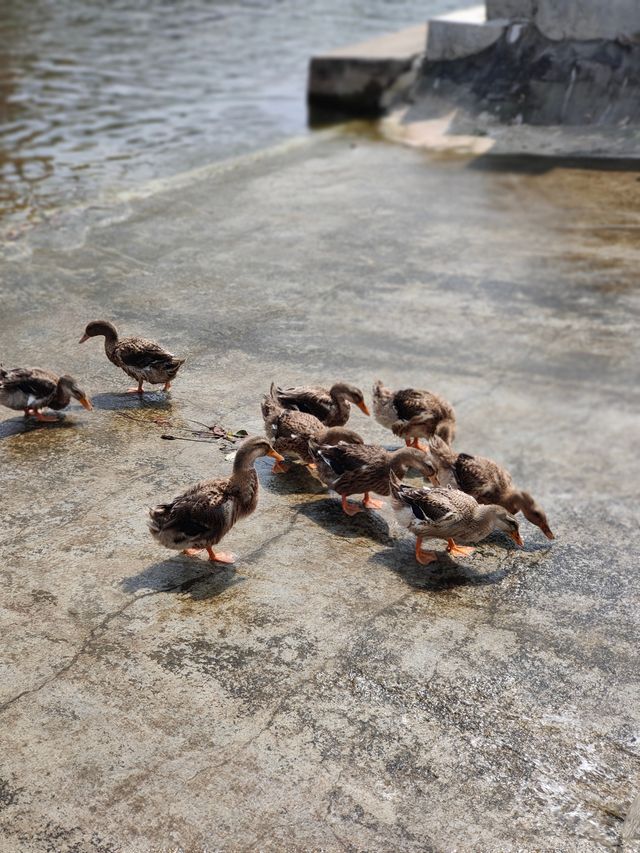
{"x": 449, "y": 39}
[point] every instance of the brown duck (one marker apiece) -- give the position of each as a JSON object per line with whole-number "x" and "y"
{"x": 329, "y": 405}
{"x": 446, "y": 513}
{"x": 31, "y": 389}
{"x": 143, "y": 360}
{"x": 200, "y": 517}
{"x": 290, "y": 431}
{"x": 351, "y": 469}
{"x": 487, "y": 481}
{"x": 412, "y": 414}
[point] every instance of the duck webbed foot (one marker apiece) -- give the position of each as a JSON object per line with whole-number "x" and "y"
{"x": 138, "y": 390}
{"x": 221, "y": 556}
{"x": 424, "y": 557}
{"x": 459, "y": 550}
{"x": 350, "y": 508}
{"x": 371, "y": 503}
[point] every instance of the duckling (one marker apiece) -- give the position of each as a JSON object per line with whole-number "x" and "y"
{"x": 487, "y": 482}
{"x": 200, "y": 517}
{"x": 290, "y": 431}
{"x": 411, "y": 414}
{"x": 329, "y": 405}
{"x": 143, "y": 360}
{"x": 446, "y": 513}
{"x": 351, "y": 469}
{"x": 32, "y": 389}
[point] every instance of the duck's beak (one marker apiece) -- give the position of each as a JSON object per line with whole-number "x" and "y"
{"x": 517, "y": 538}
{"x": 276, "y": 455}
{"x": 547, "y": 532}
{"x": 363, "y": 407}
{"x": 83, "y": 339}
{"x": 86, "y": 403}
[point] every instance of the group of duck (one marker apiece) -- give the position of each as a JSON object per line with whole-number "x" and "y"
{"x": 468, "y": 497}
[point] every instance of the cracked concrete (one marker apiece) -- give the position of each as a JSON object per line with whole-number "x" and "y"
{"x": 328, "y": 693}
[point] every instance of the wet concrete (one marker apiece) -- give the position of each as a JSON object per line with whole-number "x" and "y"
{"x": 329, "y": 693}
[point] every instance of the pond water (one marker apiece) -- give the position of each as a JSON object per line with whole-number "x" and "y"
{"x": 106, "y": 94}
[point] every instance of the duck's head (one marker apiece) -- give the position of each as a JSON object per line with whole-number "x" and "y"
{"x": 534, "y": 513}
{"x": 69, "y": 384}
{"x": 345, "y": 391}
{"x": 253, "y": 448}
{"x": 508, "y": 524}
{"x": 96, "y": 328}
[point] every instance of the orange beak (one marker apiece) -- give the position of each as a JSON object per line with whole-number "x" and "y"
{"x": 83, "y": 339}
{"x": 546, "y": 531}
{"x": 86, "y": 402}
{"x": 363, "y": 407}
{"x": 517, "y": 538}
{"x": 276, "y": 455}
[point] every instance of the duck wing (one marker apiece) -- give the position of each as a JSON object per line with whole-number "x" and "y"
{"x": 140, "y": 354}
{"x": 28, "y": 383}
{"x": 482, "y": 478}
{"x": 206, "y": 511}
{"x": 312, "y": 400}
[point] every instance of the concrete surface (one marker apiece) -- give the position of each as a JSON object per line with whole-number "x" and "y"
{"x": 573, "y": 19}
{"x": 461, "y": 34}
{"x": 329, "y": 694}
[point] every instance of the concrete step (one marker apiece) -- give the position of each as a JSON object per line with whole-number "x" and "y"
{"x": 462, "y": 34}
{"x": 361, "y": 79}
{"x": 574, "y": 19}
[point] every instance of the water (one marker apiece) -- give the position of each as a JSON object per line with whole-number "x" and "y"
{"x": 113, "y": 93}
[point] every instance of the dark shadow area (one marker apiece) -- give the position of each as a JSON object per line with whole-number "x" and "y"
{"x": 298, "y": 480}
{"x": 114, "y": 402}
{"x": 182, "y": 575}
{"x": 532, "y": 164}
{"x": 327, "y": 513}
{"x": 22, "y": 426}
{"x": 441, "y": 576}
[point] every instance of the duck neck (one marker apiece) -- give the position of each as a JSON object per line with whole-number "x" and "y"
{"x": 110, "y": 341}
{"x": 341, "y": 405}
{"x": 401, "y": 460}
{"x": 61, "y": 398}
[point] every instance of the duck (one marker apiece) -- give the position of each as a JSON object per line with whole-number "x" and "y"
{"x": 351, "y": 469}
{"x": 199, "y": 518}
{"x": 291, "y": 430}
{"x": 31, "y": 389}
{"x": 449, "y": 514}
{"x": 329, "y": 405}
{"x": 411, "y": 414}
{"x": 487, "y": 482}
{"x": 143, "y": 360}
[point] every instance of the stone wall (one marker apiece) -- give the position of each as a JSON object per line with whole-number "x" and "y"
{"x": 574, "y": 19}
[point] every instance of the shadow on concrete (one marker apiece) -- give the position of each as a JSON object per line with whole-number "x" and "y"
{"x": 326, "y": 512}
{"x": 22, "y": 426}
{"x": 298, "y": 480}
{"x": 182, "y": 575}
{"x": 532, "y": 164}
{"x": 116, "y": 402}
{"x": 441, "y": 576}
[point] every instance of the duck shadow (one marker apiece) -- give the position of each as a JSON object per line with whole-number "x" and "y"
{"x": 182, "y": 575}
{"x": 297, "y": 480}
{"x": 327, "y": 513}
{"x": 114, "y": 402}
{"x": 446, "y": 573}
{"x": 23, "y": 426}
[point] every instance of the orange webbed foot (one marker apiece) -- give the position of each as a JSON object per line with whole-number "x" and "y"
{"x": 350, "y": 508}
{"x": 459, "y": 550}
{"x": 424, "y": 557}
{"x": 221, "y": 556}
{"x": 191, "y": 552}
{"x": 371, "y": 503}
{"x": 138, "y": 390}
{"x": 167, "y": 386}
